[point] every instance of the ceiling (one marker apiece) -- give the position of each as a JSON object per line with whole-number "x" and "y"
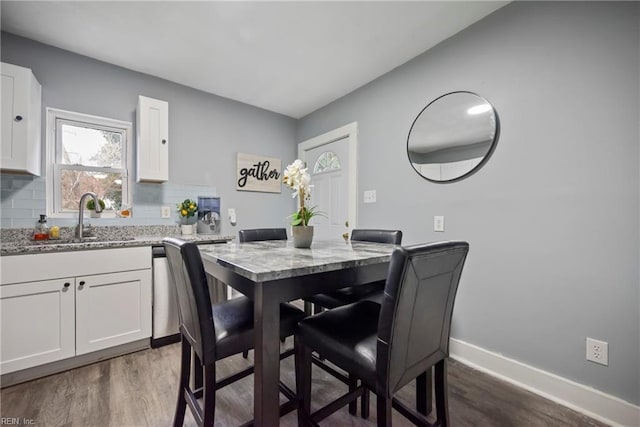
{"x": 288, "y": 57}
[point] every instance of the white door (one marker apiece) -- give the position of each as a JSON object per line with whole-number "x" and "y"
{"x": 331, "y": 161}
{"x": 329, "y": 169}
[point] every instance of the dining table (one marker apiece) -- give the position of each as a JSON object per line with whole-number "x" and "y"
{"x": 273, "y": 272}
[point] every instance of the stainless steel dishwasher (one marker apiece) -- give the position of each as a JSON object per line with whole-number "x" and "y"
{"x": 165, "y": 305}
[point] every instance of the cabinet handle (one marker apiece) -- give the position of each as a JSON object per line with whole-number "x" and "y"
{"x": 164, "y": 141}
{"x": 66, "y": 285}
{"x": 18, "y": 118}
{"x": 81, "y": 283}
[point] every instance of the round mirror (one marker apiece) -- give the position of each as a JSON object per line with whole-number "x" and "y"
{"x": 453, "y": 136}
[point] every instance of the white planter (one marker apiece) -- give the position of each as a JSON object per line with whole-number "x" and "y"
{"x": 302, "y": 236}
{"x": 186, "y": 229}
{"x": 94, "y": 214}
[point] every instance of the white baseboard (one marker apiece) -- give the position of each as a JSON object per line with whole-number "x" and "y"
{"x": 589, "y": 401}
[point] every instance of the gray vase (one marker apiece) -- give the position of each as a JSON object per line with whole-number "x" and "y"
{"x": 302, "y": 236}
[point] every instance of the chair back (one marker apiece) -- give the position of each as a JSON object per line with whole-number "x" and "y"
{"x": 194, "y": 302}
{"x": 415, "y": 317}
{"x": 260, "y": 234}
{"x": 377, "y": 236}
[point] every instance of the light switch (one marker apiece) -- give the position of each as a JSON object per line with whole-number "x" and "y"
{"x": 438, "y": 223}
{"x": 232, "y": 216}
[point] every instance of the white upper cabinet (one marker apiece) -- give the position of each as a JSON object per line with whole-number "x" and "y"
{"x": 152, "y": 131}
{"x": 21, "y": 118}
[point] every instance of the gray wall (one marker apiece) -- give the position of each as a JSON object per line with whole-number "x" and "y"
{"x": 553, "y": 217}
{"x": 205, "y": 132}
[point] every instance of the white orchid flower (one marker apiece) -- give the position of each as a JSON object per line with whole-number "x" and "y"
{"x": 298, "y": 179}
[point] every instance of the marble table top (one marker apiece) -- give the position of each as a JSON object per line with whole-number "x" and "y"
{"x": 278, "y": 259}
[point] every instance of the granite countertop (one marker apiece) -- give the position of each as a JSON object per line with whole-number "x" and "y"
{"x": 278, "y": 259}
{"x": 18, "y": 242}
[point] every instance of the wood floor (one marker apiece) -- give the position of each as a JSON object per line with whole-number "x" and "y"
{"x": 140, "y": 389}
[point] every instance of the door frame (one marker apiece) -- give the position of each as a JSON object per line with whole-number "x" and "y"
{"x": 349, "y": 131}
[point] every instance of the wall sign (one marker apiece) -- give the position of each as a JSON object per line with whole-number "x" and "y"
{"x": 259, "y": 173}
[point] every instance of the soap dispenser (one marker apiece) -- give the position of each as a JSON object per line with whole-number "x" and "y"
{"x": 42, "y": 230}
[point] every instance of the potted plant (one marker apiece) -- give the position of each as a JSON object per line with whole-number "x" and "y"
{"x": 187, "y": 211}
{"x": 297, "y": 177}
{"x": 91, "y": 205}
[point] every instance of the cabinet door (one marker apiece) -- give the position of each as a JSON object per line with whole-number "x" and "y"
{"x": 112, "y": 309}
{"x": 38, "y": 323}
{"x": 152, "y": 140}
{"x": 21, "y": 101}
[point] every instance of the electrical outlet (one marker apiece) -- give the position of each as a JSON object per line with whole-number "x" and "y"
{"x": 438, "y": 223}
{"x": 598, "y": 351}
{"x": 165, "y": 212}
{"x": 370, "y": 196}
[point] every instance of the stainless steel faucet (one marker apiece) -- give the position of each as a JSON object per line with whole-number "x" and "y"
{"x": 80, "y": 226}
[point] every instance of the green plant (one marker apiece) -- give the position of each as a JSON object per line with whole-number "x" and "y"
{"x": 304, "y": 215}
{"x": 187, "y": 209}
{"x": 91, "y": 205}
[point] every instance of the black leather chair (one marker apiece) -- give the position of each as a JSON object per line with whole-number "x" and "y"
{"x": 389, "y": 345}
{"x": 371, "y": 291}
{"x": 356, "y": 293}
{"x": 260, "y": 234}
{"x": 213, "y": 332}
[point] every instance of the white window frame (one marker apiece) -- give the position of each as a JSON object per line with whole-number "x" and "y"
{"x": 53, "y": 157}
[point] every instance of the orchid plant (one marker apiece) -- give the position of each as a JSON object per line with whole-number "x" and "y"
{"x": 298, "y": 179}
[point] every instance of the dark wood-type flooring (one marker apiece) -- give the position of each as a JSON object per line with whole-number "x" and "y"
{"x": 140, "y": 389}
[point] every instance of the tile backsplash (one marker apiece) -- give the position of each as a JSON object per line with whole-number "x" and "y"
{"x": 23, "y": 199}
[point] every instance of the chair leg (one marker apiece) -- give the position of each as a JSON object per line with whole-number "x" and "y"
{"x": 303, "y": 380}
{"x": 442, "y": 404}
{"x": 384, "y": 411}
{"x": 353, "y": 384}
{"x": 424, "y": 385}
{"x": 209, "y": 400}
{"x": 307, "y": 308}
{"x": 197, "y": 373}
{"x": 364, "y": 404}
{"x": 185, "y": 372}
{"x": 316, "y": 310}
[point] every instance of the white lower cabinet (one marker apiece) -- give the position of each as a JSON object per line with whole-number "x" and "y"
{"x": 44, "y": 321}
{"x": 38, "y": 323}
{"x": 112, "y": 309}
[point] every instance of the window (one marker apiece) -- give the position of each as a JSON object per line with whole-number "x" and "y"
{"x": 87, "y": 153}
{"x": 327, "y": 162}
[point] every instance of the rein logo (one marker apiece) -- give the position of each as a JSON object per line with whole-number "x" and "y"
{"x": 16, "y": 421}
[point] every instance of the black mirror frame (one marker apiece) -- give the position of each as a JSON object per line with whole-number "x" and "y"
{"x": 486, "y": 157}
